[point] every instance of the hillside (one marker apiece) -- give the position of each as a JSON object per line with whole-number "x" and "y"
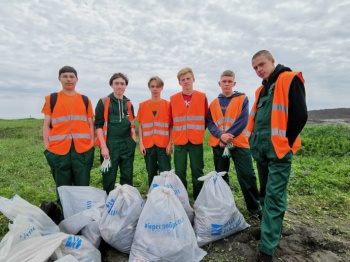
{"x": 336, "y": 115}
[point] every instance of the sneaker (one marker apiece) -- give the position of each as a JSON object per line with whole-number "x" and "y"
{"x": 262, "y": 257}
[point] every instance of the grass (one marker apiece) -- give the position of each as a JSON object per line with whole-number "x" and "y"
{"x": 319, "y": 185}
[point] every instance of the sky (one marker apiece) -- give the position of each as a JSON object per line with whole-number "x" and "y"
{"x": 157, "y": 38}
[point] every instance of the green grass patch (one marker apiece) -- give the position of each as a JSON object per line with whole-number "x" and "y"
{"x": 319, "y": 184}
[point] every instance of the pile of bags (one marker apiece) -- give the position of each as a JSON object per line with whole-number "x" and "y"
{"x": 164, "y": 228}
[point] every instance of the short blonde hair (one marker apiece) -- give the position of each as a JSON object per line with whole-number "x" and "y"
{"x": 157, "y": 79}
{"x": 263, "y": 53}
{"x": 228, "y": 73}
{"x": 184, "y": 71}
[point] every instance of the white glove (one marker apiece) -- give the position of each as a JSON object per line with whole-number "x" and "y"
{"x": 106, "y": 164}
{"x": 227, "y": 153}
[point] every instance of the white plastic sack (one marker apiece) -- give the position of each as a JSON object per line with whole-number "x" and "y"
{"x": 20, "y": 230}
{"x": 120, "y": 215}
{"x": 35, "y": 249}
{"x": 216, "y": 214}
{"x": 16, "y": 206}
{"x": 164, "y": 232}
{"x": 68, "y": 258}
{"x": 171, "y": 180}
{"x": 92, "y": 233}
{"x": 75, "y": 199}
{"x": 87, "y": 222}
{"x": 79, "y": 247}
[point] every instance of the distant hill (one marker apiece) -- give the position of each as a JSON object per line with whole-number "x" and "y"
{"x": 336, "y": 115}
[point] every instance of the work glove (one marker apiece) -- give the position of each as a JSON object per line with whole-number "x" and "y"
{"x": 227, "y": 153}
{"x": 106, "y": 164}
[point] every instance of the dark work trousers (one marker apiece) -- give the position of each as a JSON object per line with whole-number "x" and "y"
{"x": 122, "y": 153}
{"x": 71, "y": 169}
{"x": 157, "y": 161}
{"x": 195, "y": 153}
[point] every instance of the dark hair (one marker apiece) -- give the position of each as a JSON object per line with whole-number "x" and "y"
{"x": 67, "y": 69}
{"x": 118, "y": 75}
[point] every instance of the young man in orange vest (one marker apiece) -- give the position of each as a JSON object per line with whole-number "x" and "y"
{"x": 115, "y": 131}
{"x": 68, "y": 133}
{"x": 278, "y": 115}
{"x": 154, "y": 130}
{"x": 189, "y": 109}
{"x": 226, "y": 120}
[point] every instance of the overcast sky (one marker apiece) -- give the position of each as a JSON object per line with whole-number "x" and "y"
{"x": 146, "y": 38}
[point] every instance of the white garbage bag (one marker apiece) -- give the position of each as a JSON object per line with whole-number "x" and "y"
{"x": 35, "y": 249}
{"x": 75, "y": 199}
{"x": 164, "y": 232}
{"x": 21, "y": 229}
{"x": 79, "y": 247}
{"x": 87, "y": 222}
{"x": 171, "y": 180}
{"x": 120, "y": 215}
{"x": 16, "y": 206}
{"x": 216, "y": 214}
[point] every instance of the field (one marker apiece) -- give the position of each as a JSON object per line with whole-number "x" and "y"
{"x": 316, "y": 226}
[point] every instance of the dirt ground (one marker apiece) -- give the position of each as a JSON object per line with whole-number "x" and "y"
{"x": 301, "y": 242}
{"x": 307, "y": 240}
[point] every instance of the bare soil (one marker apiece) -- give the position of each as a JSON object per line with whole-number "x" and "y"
{"x": 304, "y": 239}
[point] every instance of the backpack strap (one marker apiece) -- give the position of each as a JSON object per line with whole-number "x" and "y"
{"x": 53, "y": 100}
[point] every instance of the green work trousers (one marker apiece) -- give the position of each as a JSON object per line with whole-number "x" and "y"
{"x": 156, "y": 159}
{"x": 195, "y": 153}
{"x": 122, "y": 153}
{"x": 243, "y": 163}
{"x": 72, "y": 168}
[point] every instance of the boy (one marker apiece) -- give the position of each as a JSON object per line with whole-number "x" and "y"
{"x": 227, "y": 119}
{"x": 116, "y": 133}
{"x": 188, "y": 112}
{"x": 278, "y": 115}
{"x": 68, "y": 132}
{"x": 154, "y": 130}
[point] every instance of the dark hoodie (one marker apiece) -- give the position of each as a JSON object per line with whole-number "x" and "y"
{"x": 118, "y": 117}
{"x": 241, "y": 121}
{"x": 297, "y": 110}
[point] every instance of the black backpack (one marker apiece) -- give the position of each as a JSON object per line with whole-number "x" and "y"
{"x": 53, "y": 210}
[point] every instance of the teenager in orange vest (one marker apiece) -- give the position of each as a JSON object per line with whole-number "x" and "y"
{"x": 68, "y": 133}
{"x": 278, "y": 115}
{"x": 189, "y": 109}
{"x": 115, "y": 131}
{"x": 226, "y": 120}
{"x": 154, "y": 130}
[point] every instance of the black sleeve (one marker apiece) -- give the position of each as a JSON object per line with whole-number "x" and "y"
{"x": 297, "y": 110}
{"x": 99, "y": 114}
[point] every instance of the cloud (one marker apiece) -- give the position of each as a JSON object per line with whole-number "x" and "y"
{"x": 143, "y": 39}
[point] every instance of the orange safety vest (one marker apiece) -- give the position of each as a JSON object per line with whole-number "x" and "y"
{"x": 279, "y": 115}
{"x": 155, "y": 128}
{"x": 223, "y": 123}
{"x": 188, "y": 122}
{"x": 69, "y": 126}
{"x": 106, "y": 101}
